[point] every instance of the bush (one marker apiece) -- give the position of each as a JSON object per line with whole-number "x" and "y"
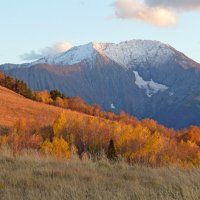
{"x": 58, "y": 148}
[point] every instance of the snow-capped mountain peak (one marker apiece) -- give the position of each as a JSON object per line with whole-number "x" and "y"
{"x": 125, "y": 53}
{"x": 72, "y": 56}
{"x": 133, "y": 52}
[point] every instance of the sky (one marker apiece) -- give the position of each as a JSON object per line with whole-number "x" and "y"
{"x": 30, "y": 29}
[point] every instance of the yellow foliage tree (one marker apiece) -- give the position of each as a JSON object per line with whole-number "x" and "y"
{"x": 131, "y": 139}
{"x": 58, "y": 148}
{"x": 59, "y": 124}
{"x": 43, "y": 96}
{"x": 20, "y": 127}
{"x": 150, "y": 149}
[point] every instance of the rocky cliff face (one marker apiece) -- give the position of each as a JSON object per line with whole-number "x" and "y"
{"x": 147, "y": 79}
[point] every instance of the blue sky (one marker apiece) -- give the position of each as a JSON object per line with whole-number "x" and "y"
{"x": 28, "y": 25}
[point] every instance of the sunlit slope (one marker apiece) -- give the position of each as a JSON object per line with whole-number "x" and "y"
{"x": 14, "y": 107}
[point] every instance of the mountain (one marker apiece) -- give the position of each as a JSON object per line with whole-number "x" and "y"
{"x": 15, "y": 107}
{"x": 147, "y": 79}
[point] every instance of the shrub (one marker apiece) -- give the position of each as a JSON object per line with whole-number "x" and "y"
{"x": 58, "y": 148}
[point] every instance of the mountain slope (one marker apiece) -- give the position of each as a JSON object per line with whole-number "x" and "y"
{"x": 147, "y": 79}
{"x": 15, "y": 107}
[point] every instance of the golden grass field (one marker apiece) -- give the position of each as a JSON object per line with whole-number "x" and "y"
{"x": 34, "y": 178}
{"x": 14, "y": 107}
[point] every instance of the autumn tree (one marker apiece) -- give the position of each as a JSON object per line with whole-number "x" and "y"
{"x": 22, "y": 137}
{"x": 192, "y": 134}
{"x": 59, "y": 125}
{"x": 43, "y": 96}
{"x": 58, "y": 148}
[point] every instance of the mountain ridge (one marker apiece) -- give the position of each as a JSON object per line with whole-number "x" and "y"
{"x": 104, "y": 49}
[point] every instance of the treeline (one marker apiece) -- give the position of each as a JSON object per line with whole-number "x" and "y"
{"x": 15, "y": 85}
{"x": 56, "y": 98}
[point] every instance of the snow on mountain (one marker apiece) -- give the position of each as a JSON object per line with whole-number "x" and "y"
{"x": 125, "y": 53}
{"x": 73, "y": 56}
{"x": 151, "y": 87}
{"x": 112, "y": 106}
{"x": 137, "y": 51}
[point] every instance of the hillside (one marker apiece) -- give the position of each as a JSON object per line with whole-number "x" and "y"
{"x": 15, "y": 107}
{"x": 87, "y": 130}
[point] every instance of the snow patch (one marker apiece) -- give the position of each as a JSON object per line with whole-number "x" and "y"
{"x": 151, "y": 87}
{"x": 112, "y": 106}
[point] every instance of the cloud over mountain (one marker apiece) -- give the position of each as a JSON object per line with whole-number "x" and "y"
{"x": 47, "y": 51}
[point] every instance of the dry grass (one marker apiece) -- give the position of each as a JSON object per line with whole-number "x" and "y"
{"x": 14, "y": 107}
{"x": 36, "y": 178}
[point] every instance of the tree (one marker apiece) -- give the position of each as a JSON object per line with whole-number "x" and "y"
{"x": 43, "y": 96}
{"x": 56, "y": 93}
{"x": 111, "y": 153}
{"x": 59, "y": 125}
{"x": 21, "y": 137}
{"x": 16, "y": 85}
{"x": 58, "y": 148}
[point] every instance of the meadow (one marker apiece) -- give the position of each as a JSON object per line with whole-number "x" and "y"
{"x": 32, "y": 177}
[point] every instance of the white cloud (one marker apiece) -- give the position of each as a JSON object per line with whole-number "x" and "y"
{"x": 156, "y": 12}
{"x": 131, "y": 9}
{"x": 47, "y": 51}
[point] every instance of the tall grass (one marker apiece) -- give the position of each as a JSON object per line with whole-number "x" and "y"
{"x": 32, "y": 177}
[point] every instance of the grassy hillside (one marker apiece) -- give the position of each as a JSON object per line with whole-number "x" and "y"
{"x": 15, "y": 107}
{"x": 33, "y": 178}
